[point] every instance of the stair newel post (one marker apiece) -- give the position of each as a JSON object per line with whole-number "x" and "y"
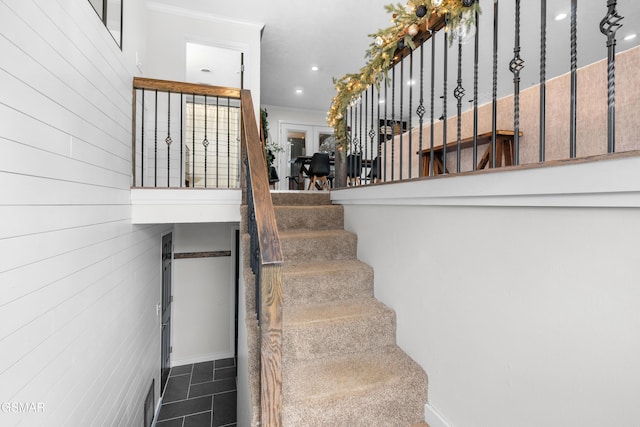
{"x": 271, "y": 345}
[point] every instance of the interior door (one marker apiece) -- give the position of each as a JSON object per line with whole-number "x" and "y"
{"x": 165, "y": 363}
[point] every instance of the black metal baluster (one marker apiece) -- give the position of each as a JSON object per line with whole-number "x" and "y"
{"x": 142, "y": 144}
{"x": 459, "y": 94}
{"x": 379, "y": 143}
{"x": 608, "y": 26}
{"x": 366, "y": 122}
{"x": 476, "y": 55}
{"x": 372, "y": 135}
{"x": 182, "y": 171}
{"x": 574, "y": 78}
{"x": 420, "y": 111}
{"x": 433, "y": 88}
{"x": 400, "y": 167}
{"x": 228, "y": 142}
{"x": 444, "y": 99}
{"x": 515, "y": 66}
{"x": 494, "y": 105}
{"x": 205, "y": 141}
{"x": 193, "y": 140}
{"x": 393, "y": 122}
{"x": 155, "y": 143}
{"x": 409, "y": 127}
{"x": 543, "y": 79}
{"x": 168, "y": 139}
{"x": 386, "y": 126}
{"x": 218, "y": 142}
{"x": 361, "y": 133}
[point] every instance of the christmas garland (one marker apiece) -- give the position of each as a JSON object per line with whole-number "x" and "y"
{"x": 408, "y": 20}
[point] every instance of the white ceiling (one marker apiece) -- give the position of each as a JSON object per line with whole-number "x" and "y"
{"x": 334, "y": 35}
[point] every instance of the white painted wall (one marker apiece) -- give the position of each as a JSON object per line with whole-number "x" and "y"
{"x": 79, "y": 283}
{"x": 202, "y": 323}
{"x": 171, "y": 27}
{"x": 522, "y": 309}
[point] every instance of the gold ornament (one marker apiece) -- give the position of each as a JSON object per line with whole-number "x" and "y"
{"x": 413, "y": 30}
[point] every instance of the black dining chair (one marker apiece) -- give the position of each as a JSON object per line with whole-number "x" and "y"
{"x": 375, "y": 172}
{"x": 319, "y": 170}
{"x": 354, "y": 169}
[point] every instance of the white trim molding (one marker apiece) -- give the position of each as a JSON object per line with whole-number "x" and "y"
{"x": 606, "y": 183}
{"x": 189, "y": 13}
{"x": 168, "y": 206}
{"x": 433, "y": 417}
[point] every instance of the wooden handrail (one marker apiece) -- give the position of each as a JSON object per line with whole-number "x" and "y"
{"x": 181, "y": 87}
{"x": 270, "y": 269}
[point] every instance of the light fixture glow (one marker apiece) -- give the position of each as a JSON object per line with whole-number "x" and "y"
{"x": 381, "y": 101}
{"x": 630, "y": 37}
{"x": 299, "y": 91}
{"x": 411, "y": 82}
{"x": 560, "y": 16}
{"x": 314, "y": 68}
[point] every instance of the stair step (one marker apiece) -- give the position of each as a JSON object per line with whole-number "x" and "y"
{"x": 300, "y": 198}
{"x": 315, "y": 331}
{"x": 320, "y": 217}
{"x": 381, "y": 388}
{"x": 318, "y": 245}
{"x": 326, "y": 281}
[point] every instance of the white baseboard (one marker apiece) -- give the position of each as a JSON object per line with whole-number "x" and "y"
{"x": 433, "y": 417}
{"x": 200, "y": 358}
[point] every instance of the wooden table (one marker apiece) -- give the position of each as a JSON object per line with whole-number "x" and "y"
{"x": 504, "y": 151}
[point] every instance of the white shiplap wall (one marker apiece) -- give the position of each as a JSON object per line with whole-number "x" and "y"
{"x": 79, "y": 333}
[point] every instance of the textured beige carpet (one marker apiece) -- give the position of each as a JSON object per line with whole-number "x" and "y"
{"x": 341, "y": 364}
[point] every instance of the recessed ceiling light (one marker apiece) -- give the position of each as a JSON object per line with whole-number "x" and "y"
{"x": 299, "y": 91}
{"x": 560, "y": 16}
{"x": 630, "y": 37}
{"x": 314, "y": 68}
{"x": 205, "y": 70}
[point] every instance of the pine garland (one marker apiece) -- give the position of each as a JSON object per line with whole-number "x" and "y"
{"x": 381, "y": 52}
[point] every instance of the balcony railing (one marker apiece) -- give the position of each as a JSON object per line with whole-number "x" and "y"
{"x": 185, "y": 135}
{"x": 500, "y": 96}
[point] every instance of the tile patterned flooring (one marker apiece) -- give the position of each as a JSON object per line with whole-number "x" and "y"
{"x": 200, "y": 395}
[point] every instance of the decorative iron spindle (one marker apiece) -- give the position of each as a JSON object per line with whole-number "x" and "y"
{"x": 421, "y": 110}
{"x": 433, "y": 104}
{"x": 155, "y": 142}
{"x": 379, "y": 142}
{"x": 476, "y": 53}
{"x": 574, "y": 78}
{"x": 363, "y": 133}
{"x": 444, "y": 99}
{"x": 218, "y": 141}
{"x": 168, "y": 139}
{"x": 608, "y": 26}
{"x": 515, "y": 66}
{"x": 494, "y": 90}
{"x": 372, "y": 133}
{"x": 401, "y": 111}
{"x": 205, "y": 141}
{"x": 543, "y": 78}
{"x": 386, "y": 126}
{"x": 193, "y": 140}
{"x": 142, "y": 142}
{"x": 393, "y": 122}
{"x": 459, "y": 94}
{"x": 181, "y": 176}
{"x": 228, "y": 142}
{"x": 410, "y": 125}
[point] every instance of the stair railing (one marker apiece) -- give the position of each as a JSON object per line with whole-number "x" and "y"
{"x": 266, "y": 263}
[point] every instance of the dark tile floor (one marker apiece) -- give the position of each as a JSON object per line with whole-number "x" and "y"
{"x": 200, "y": 395}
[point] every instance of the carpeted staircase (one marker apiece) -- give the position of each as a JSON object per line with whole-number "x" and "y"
{"x": 341, "y": 365}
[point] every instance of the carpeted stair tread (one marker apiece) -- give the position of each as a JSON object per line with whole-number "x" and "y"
{"x": 326, "y": 281}
{"x": 320, "y": 217}
{"x": 300, "y": 198}
{"x": 318, "y": 245}
{"x": 315, "y": 331}
{"x": 379, "y": 388}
